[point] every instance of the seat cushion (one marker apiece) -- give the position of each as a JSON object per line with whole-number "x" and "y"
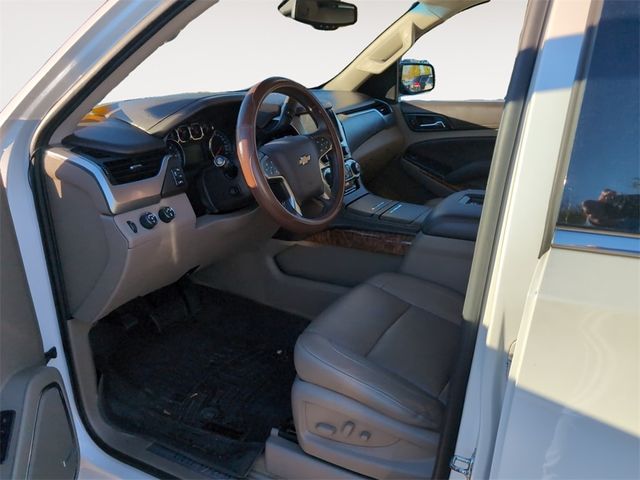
{"x": 389, "y": 344}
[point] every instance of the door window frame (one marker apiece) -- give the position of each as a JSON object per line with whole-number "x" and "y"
{"x": 574, "y": 238}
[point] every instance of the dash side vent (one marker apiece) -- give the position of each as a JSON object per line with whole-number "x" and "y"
{"x": 382, "y": 107}
{"x": 132, "y": 169}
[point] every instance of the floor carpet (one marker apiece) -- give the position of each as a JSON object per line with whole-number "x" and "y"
{"x": 203, "y": 372}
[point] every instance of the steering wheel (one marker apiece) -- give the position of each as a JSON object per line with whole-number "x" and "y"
{"x": 291, "y": 165}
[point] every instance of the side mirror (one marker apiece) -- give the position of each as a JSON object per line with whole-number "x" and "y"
{"x": 320, "y": 14}
{"x": 416, "y": 76}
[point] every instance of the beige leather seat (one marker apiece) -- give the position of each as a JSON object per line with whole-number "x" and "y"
{"x": 372, "y": 376}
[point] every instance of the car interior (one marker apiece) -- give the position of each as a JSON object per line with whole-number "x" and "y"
{"x": 271, "y": 282}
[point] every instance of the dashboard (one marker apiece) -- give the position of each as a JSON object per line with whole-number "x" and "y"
{"x": 154, "y": 189}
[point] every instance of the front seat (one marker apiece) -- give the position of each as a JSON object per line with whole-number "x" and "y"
{"x": 373, "y": 371}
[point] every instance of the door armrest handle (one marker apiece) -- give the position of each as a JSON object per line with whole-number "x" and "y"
{"x": 437, "y": 125}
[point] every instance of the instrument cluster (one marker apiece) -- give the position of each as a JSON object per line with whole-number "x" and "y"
{"x": 202, "y": 142}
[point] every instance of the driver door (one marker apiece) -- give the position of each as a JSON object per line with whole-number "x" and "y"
{"x": 37, "y": 437}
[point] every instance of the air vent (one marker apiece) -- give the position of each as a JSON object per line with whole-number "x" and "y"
{"x": 133, "y": 169}
{"x": 383, "y": 108}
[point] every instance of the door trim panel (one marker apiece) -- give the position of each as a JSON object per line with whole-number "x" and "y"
{"x": 23, "y": 394}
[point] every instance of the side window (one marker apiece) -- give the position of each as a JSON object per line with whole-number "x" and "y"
{"x": 602, "y": 186}
{"x": 472, "y": 53}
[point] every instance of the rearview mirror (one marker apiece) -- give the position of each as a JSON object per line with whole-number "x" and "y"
{"x": 320, "y": 14}
{"x": 416, "y": 76}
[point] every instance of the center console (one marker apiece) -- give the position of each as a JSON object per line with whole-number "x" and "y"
{"x": 456, "y": 216}
{"x": 378, "y": 209}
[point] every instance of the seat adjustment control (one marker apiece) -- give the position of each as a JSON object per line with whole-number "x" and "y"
{"x": 325, "y": 429}
{"x": 166, "y": 214}
{"x": 347, "y": 428}
{"x": 365, "y": 436}
{"x": 148, "y": 220}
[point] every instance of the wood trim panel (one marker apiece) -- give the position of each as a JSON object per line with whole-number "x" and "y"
{"x": 376, "y": 242}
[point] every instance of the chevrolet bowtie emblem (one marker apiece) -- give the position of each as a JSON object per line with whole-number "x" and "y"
{"x": 304, "y": 159}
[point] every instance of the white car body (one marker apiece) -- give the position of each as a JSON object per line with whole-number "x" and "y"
{"x": 566, "y": 377}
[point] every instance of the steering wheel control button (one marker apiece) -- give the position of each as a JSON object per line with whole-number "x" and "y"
{"x": 148, "y": 220}
{"x": 178, "y": 177}
{"x": 166, "y": 214}
{"x": 132, "y": 226}
{"x": 269, "y": 167}
{"x": 323, "y": 144}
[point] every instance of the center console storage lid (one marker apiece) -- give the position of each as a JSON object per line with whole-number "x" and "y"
{"x": 457, "y": 216}
{"x": 369, "y": 205}
{"x": 404, "y": 212}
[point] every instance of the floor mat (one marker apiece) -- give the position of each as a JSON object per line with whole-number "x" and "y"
{"x": 210, "y": 384}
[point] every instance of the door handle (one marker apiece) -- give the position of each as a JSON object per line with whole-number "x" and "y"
{"x": 439, "y": 124}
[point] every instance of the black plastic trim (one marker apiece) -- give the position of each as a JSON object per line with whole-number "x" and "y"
{"x": 7, "y": 418}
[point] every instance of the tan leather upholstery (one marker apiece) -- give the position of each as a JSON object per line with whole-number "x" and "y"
{"x": 389, "y": 344}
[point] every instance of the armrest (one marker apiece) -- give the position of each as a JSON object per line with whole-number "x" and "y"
{"x": 457, "y": 216}
{"x": 468, "y": 172}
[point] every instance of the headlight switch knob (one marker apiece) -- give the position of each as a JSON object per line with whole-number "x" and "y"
{"x": 148, "y": 220}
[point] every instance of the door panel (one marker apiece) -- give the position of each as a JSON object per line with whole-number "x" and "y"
{"x": 37, "y": 438}
{"x": 454, "y": 162}
{"x": 41, "y": 439}
{"x": 448, "y": 147}
{"x": 450, "y": 144}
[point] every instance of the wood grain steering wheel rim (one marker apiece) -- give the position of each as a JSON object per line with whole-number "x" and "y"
{"x": 285, "y": 153}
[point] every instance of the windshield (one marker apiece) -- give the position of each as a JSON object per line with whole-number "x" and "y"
{"x": 237, "y": 43}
